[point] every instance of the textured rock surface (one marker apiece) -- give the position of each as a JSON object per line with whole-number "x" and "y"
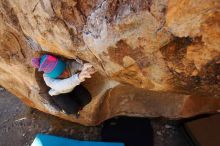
{"x": 154, "y": 57}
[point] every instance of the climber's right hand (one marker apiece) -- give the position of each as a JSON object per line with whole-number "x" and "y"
{"x": 89, "y": 68}
{"x": 86, "y": 72}
{"x": 83, "y": 75}
{"x": 86, "y": 66}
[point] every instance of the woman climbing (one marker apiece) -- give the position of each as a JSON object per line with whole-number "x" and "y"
{"x": 64, "y": 79}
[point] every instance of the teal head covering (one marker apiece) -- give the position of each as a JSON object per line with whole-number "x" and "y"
{"x": 52, "y": 66}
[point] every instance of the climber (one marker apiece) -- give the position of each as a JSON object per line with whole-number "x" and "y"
{"x": 64, "y": 78}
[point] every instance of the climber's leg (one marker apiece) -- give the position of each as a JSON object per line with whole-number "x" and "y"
{"x": 73, "y": 102}
{"x": 67, "y": 103}
{"x": 81, "y": 95}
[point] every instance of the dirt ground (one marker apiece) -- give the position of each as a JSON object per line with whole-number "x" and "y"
{"x": 19, "y": 124}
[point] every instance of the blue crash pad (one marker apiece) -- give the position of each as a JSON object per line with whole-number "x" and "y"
{"x": 48, "y": 140}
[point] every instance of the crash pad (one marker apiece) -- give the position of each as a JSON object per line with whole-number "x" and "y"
{"x": 49, "y": 140}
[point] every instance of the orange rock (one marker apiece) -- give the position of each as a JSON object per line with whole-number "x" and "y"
{"x": 154, "y": 58}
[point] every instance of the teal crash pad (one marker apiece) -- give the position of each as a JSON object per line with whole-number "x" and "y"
{"x": 48, "y": 140}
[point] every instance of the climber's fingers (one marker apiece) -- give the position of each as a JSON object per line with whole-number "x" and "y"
{"x": 83, "y": 75}
{"x": 87, "y": 71}
{"x": 86, "y": 66}
{"x": 86, "y": 74}
{"x": 91, "y": 70}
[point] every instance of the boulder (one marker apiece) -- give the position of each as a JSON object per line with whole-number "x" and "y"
{"x": 154, "y": 58}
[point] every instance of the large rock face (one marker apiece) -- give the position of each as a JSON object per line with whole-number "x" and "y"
{"x": 154, "y": 57}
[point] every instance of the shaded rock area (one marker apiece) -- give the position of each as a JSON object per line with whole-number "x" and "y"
{"x": 154, "y": 57}
{"x": 19, "y": 124}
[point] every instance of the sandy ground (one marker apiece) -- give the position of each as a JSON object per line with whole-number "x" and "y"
{"x": 19, "y": 124}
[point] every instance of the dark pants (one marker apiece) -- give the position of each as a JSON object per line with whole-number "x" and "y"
{"x": 74, "y": 101}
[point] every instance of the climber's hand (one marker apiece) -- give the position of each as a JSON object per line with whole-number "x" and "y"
{"x": 83, "y": 75}
{"x": 89, "y": 68}
{"x": 86, "y": 72}
{"x": 86, "y": 66}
